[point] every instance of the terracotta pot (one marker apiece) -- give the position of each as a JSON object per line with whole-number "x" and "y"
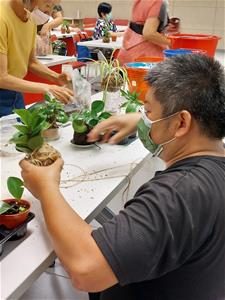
{"x": 12, "y": 221}
{"x": 51, "y": 134}
{"x": 63, "y": 30}
{"x": 114, "y": 38}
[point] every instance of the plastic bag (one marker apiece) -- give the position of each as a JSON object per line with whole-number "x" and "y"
{"x": 82, "y": 90}
{"x": 42, "y": 45}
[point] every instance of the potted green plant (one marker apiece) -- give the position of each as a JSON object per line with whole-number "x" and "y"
{"x": 28, "y": 138}
{"x": 54, "y": 112}
{"x": 132, "y": 102}
{"x": 84, "y": 120}
{"x": 59, "y": 47}
{"x": 105, "y": 35}
{"x": 113, "y": 76}
{"x": 65, "y": 27}
{"x": 14, "y": 211}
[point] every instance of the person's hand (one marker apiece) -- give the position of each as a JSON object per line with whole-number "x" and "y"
{"x": 123, "y": 125}
{"x": 61, "y": 93}
{"x": 63, "y": 79}
{"x": 41, "y": 180}
{"x": 45, "y": 30}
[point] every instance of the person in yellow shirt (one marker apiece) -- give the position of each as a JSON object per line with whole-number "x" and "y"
{"x": 17, "y": 57}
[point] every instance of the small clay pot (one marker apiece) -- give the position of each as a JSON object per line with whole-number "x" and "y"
{"x": 63, "y": 30}
{"x": 106, "y": 39}
{"x": 51, "y": 134}
{"x": 80, "y": 138}
{"x": 114, "y": 38}
{"x": 11, "y": 221}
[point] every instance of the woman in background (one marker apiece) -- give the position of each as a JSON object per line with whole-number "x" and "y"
{"x": 56, "y": 13}
{"x": 104, "y": 21}
{"x": 145, "y": 37}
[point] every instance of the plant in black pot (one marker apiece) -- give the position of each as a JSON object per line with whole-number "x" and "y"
{"x": 84, "y": 120}
{"x": 59, "y": 48}
{"x": 14, "y": 211}
{"x": 29, "y": 140}
{"x": 53, "y": 111}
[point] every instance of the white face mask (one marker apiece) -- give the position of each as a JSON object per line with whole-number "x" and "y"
{"x": 39, "y": 17}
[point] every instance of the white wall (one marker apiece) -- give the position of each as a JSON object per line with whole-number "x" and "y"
{"x": 197, "y": 16}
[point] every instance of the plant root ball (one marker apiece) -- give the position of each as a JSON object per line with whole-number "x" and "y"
{"x": 44, "y": 156}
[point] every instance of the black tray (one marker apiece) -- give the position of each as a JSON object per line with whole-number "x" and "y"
{"x": 15, "y": 233}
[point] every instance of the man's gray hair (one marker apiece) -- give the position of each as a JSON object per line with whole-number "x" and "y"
{"x": 195, "y": 83}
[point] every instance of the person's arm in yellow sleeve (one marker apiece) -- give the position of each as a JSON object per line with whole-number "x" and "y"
{"x": 13, "y": 83}
{"x": 37, "y": 68}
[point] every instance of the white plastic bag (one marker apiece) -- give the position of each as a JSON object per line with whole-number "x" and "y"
{"x": 82, "y": 90}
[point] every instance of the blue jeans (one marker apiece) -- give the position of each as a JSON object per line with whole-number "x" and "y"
{"x": 10, "y": 100}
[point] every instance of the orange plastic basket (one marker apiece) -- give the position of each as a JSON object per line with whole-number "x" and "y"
{"x": 195, "y": 41}
{"x": 137, "y": 76}
{"x": 149, "y": 59}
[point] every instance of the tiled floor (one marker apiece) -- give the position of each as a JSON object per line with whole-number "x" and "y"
{"x": 54, "y": 283}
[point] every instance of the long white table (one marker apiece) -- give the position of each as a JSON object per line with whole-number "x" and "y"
{"x": 99, "y": 44}
{"x": 98, "y": 174}
{"x": 54, "y": 60}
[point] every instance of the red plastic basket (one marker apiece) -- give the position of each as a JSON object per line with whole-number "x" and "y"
{"x": 195, "y": 41}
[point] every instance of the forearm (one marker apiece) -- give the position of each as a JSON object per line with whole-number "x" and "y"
{"x": 157, "y": 39}
{"x": 42, "y": 71}
{"x": 71, "y": 236}
{"x": 20, "y": 85}
{"x": 55, "y": 23}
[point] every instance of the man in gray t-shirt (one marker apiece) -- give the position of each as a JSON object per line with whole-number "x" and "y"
{"x": 168, "y": 243}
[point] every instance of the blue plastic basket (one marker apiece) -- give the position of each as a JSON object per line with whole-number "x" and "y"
{"x": 170, "y": 52}
{"x": 141, "y": 65}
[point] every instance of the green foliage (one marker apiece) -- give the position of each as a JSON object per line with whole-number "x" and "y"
{"x": 28, "y": 138}
{"x": 4, "y": 207}
{"x": 88, "y": 118}
{"x": 132, "y": 103}
{"x": 52, "y": 110}
{"x": 112, "y": 74}
{"x": 65, "y": 24}
{"x": 105, "y": 32}
{"x": 16, "y": 187}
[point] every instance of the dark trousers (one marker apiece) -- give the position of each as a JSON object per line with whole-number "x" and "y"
{"x": 9, "y": 100}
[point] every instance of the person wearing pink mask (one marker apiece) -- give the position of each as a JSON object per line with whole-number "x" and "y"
{"x": 17, "y": 57}
{"x": 145, "y": 37}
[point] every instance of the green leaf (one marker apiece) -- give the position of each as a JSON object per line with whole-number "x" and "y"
{"x": 79, "y": 126}
{"x": 35, "y": 142}
{"x": 4, "y": 207}
{"x": 62, "y": 118}
{"x": 93, "y": 121}
{"x": 97, "y": 106}
{"x": 47, "y": 97}
{"x": 15, "y": 187}
{"x": 24, "y": 115}
{"x": 19, "y": 138}
{"x": 105, "y": 115}
{"x": 22, "y": 148}
{"x": 22, "y": 128}
{"x": 132, "y": 107}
